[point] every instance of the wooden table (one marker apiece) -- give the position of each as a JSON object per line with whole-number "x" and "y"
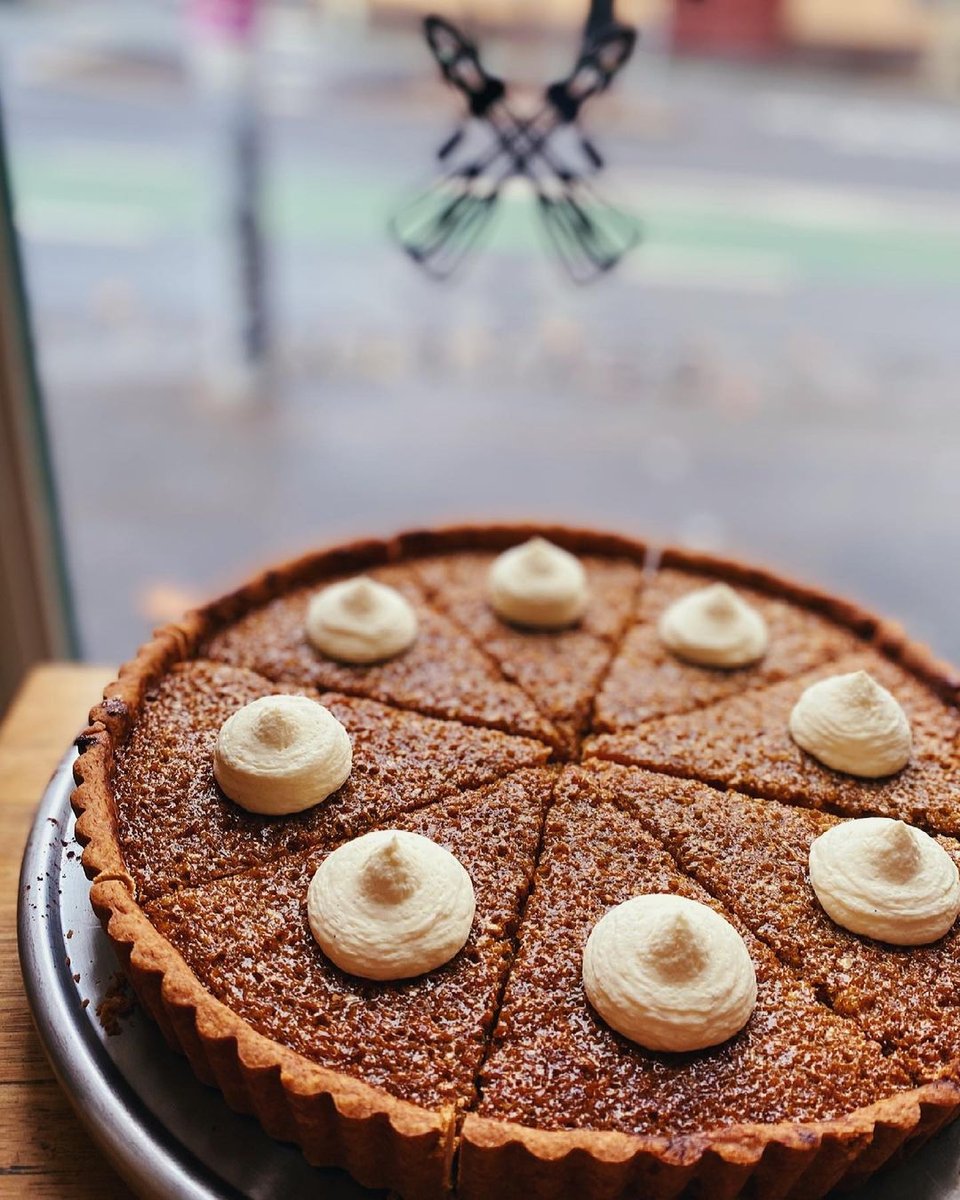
{"x": 44, "y": 1151}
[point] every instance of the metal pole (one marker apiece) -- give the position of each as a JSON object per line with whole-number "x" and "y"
{"x": 235, "y": 320}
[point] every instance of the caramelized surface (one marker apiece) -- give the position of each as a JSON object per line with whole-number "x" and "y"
{"x": 647, "y": 681}
{"x": 753, "y": 856}
{"x": 441, "y": 674}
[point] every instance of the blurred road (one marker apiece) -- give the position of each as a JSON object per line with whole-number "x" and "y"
{"x": 774, "y": 372}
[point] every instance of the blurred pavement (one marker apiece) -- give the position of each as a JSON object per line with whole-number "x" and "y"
{"x": 773, "y": 373}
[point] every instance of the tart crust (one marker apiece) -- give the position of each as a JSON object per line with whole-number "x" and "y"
{"x": 387, "y": 1142}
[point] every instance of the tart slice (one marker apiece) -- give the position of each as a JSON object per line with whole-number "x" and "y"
{"x": 440, "y": 674}
{"x": 745, "y": 743}
{"x": 556, "y": 1069}
{"x": 559, "y": 670}
{"x": 753, "y": 856}
{"x": 647, "y": 681}
{"x": 247, "y": 940}
{"x": 175, "y": 827}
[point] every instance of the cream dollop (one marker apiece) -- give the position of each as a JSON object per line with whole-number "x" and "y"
{"x": 539, "y": 585}
{"x": 714, "y": 627}
{"x": 390, "y": 905}
{"x": 281, "y": 754}
{"x": 360, "y": 621}
{"x": 669, "y": 973}
{"x": 887, "y": 880}
{"x": 852, "y": 724}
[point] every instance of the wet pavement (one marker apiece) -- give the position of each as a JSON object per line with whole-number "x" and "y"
{"x": 772, "y": 373}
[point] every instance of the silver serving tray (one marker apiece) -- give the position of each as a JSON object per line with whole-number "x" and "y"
{"x": 167, "y": 1134}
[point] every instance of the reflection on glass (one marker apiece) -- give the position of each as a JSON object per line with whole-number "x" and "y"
{"x": 772, "y": 370}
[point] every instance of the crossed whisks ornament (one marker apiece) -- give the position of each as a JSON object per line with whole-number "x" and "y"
{"x": 440, "y": 226}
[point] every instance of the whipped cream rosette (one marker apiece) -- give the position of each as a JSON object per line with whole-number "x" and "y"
{"x": 669, "y": 973}
{"x": 360, "y": 621}
{"x": 538, "y": 585}
{"x": 885, "y": 879}
{"x": 281, "y": 754}
{"x": 390, "y": 905}
{"x": 714, "y": 627}
{"x": 850, "y": 723}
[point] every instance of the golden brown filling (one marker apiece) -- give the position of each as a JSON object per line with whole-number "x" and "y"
{"x": 745, "y": 743}
{"x": 561, "y": 670}
{"x": 648, "y": 681}
{"x": 441, "y": 674}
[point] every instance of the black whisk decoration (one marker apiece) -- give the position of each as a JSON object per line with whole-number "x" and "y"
{"x": 440, "y": 227}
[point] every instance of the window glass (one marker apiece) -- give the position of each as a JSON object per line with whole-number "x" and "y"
{"x": 770, "y": 372}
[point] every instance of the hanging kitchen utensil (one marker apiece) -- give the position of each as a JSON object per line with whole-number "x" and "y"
{"x": 440, "y": 226}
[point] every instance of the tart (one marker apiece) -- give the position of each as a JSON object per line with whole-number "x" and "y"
{"x": 568, "y": 770}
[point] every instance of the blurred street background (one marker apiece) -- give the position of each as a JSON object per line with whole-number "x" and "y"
{"x": 774, "y": 372}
